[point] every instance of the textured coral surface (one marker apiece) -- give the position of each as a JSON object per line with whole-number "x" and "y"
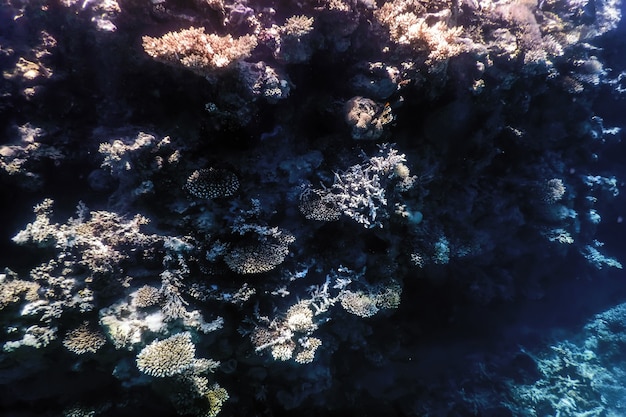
{"x": 312, "y": 208}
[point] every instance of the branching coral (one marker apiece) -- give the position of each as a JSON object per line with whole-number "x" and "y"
{"x": 19, "y": 159}
{"x": 360, "y": 192}
{"x": 368, "y": 303}
{"x": 201, "y": 53}
{"x": 84, "y": 339}
{"x": 309, "y": 346}
{"x": 34, "y": 336}
{"x": 216, "y": 396}
{"x": 478, "y": 77}
{"x": 165, "y": 358}
{"x": 88, "y": 252}
{"x": 174, "y": 358}
{"x": 292, "y": 42}
{"x": 409, "y": 24}
{"x": 290, "y": 336}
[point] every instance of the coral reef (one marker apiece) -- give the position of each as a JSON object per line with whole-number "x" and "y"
{"x": 83, "y": 339}
{"x": 199, "y": 52}
{"x": 172, "y": 356}
{"x": 352, "y": 206}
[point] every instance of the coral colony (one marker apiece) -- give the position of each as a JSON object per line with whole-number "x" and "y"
{"x": 230, "y": 198}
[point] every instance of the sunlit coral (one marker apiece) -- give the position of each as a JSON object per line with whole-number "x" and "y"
{"x": 409, "y": 24}
{"x": 172, "y": 356}
{"x": 201, "y": 53}
{"x": 307, "y": 354}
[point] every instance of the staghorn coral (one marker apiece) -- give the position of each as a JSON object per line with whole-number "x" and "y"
{"x": 88, "y": 252}
{"x": 410, "y": 24}
{"x": 165, "y": 358}
{"x": 95, "y": 242}
{"x": 459, "y": 164}
{"x": 83, "y": 339}
{"x": 360, "y": 192}
{"x": 201, "y": 53}
{"x": 290, "y": 336}
{"x": 212, "y": 183}
{"x": 41, "y": 232}
{"x": 134, "y": 160}
{"x": 127, "y": 324}
{"x": 120, "y": 155}
{"x": 581, "y": 375}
